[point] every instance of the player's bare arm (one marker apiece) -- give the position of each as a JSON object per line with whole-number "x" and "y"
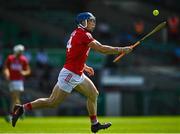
{"x": 89, "y": 70}
{"x": 105, "y": 49}
{"x": 6, "y": 73}
{"x": 26, "y": 72}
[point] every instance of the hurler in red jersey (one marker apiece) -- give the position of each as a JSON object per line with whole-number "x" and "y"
{"x": 15, "y": 68}
{"x": 72, "y": 77}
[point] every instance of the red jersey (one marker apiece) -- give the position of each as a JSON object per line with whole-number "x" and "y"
{"x": 77, "y": 50}
{"x": 16, "y": 65}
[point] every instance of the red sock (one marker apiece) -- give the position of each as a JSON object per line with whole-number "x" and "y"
{"x": 93, "y": 119}
{"x": 28, "y": 106}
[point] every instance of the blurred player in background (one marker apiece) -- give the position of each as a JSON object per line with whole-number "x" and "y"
{"x": 15, "y": 68}
{"x": 71, "y": 75}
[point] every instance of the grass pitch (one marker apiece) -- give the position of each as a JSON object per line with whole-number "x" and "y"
{"x": 149, "y": 124}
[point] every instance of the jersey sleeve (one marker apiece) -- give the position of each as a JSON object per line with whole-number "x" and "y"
{"x": 87, "y": 38}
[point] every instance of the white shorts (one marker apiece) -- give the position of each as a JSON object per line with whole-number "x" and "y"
{"x": 68, "y": 80}
{"x": 16, "y": 85}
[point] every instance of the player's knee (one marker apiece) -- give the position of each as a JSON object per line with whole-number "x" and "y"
{"x": 94, "y": 96}
{"x": 52, "y": 103}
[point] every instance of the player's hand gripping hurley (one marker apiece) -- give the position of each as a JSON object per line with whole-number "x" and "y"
{"x": 156, "y": 29}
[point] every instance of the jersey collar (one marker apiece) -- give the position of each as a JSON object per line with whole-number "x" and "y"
{"x": 84, "y": 29}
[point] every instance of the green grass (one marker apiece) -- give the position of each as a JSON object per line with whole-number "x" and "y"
{"x": 149, "y": 124}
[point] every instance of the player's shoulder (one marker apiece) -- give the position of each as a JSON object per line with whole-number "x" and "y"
{"x": 10, "y": 56}
{"x": 78, "y": 32}
{"x": 23, "y": 57}
{"x": 82, "y": 34}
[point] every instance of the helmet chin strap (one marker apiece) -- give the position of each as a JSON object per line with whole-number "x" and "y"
{"x": 83, "y": 26}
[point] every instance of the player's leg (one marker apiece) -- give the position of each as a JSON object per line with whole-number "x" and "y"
{"x": 60, "y": 91}
{"x": 15, "y": 98}
{"x": 15, "y": 87}
{"x": 56, "y": 97}
{"x": 88, "y": 89}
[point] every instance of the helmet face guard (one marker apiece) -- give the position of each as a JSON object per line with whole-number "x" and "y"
{"x": 83, "y": 17}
